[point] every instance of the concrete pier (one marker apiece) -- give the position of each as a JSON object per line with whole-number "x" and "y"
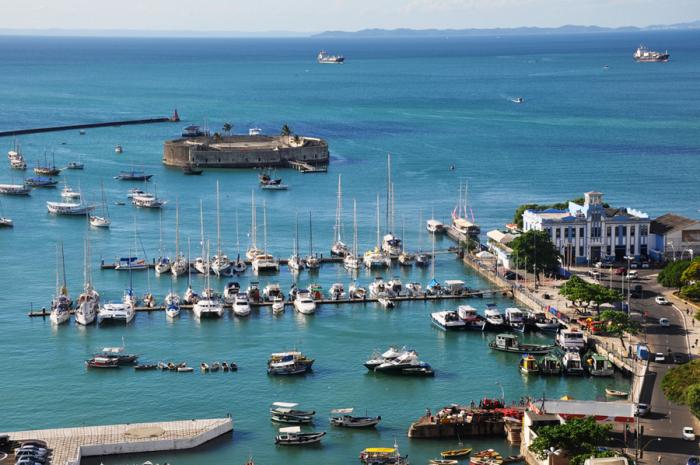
{"x": 21, "y": 132}
{"x": 70, "y": 445}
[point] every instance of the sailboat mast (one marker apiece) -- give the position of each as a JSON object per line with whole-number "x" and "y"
{"x": 339, "y": 212}
{"x": 218, "y": 222}
{"x": 238, "y": 241}
{"x": 201, "y": 225}
{"x": 177, "y": 229}
{"x": 57, "y": 278}
{"x": 160, "y": 232}
{"x": 264, "y": 226}
{"x": 63, "y": 265}
{"x": 189, "y": 267}
{"x": 296, "y": 235}
{"x": 432, "y": 260}
{"x": 253, "y": 226}
{"x": 311, "y": 237}
{"x": 388, "y": 191}
{"x": 354, "y": 227}
{"x": 378, "y": 240}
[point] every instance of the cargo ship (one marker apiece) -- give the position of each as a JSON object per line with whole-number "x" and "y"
{"x": 645, "y": 55}
{"x": 325, "y": 58}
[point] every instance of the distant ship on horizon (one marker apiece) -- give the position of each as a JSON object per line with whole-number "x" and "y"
{"x": 645, "y": 55}
{"x": 325, "y": 58}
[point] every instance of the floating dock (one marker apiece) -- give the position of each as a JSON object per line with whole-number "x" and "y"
{"x": 70, "y": 445}
{"x": 21, "y": 132}
{"x": 307, "y": 168}
{"x": 465, "y": 295}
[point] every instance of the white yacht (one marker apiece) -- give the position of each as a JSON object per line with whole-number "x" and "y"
{"x": 278, "y": 305}
{"x": 147, "y": 200}
{"x": 352, "y": 261}
{"x": 515, "y": 319}
{"x": 230, "y": 291}
{"x": 208, "y": 307}
{"x": 69, "y": 208}
{"x": 414, "y": 290}
{"x": 241, "y": 305}
{"x": 435, "y": 227}
{"x": 70, "y": 194}
{"x": 303, "y": 303}
{"x": 190, "y": 297}
{"x": 493, "y": 316}
{"x": 121, "y": 312}
{"x": 271, "y": 290}
{"x": 61, "y": 303}
{"x": 339, "y": 248}
{"x": 337, "y": 291}
{"x": 295, "y": 262}
{"x": 172, "y": 305}
{"x": 253, "y": 251}
{"x": 448, "y": 320}
{"x": 265, "y": 262}
{"x": 220, "y": 264}
{"x": 571, "y": 339}
{"x": 378, "y": 288}
{"x": 357, "y": 292}
{"x": 376, "y": 259}
{"x": 471, "y": 318}
{"x": 395, "y": 287}
{"x": 391, "y": 245}
{"x": 89, "y": 299}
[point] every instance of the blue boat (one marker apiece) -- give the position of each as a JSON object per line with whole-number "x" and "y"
{"x": 133, "y": 176}
{"x": 40, "y": 181}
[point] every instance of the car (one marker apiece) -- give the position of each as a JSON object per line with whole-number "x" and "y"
{"x": 646, "y": 265}
{"x": 598, "y": 264}
{"x": 664, "y": 322}
{"x": 620, "y": 271}
{"x": 632, "y": 275}
{"x": 661, "y": 300}
{"x": 692, "y": 460}
{"x": 688, "y": 433}
{"x": 679, "y": 358}
{"x": 634, "y": 265}
{"x": 642, "y": 409}
{"x": 659, "y": 357}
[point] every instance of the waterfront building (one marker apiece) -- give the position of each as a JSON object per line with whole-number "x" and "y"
{"x": 497, "y": 242}
{"x": 675, "y": 237}
{"x": 591, "y": 232}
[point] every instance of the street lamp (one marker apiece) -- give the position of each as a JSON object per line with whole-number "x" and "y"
{"x": 641, "y": 451}
{"x": 674, "y": 249}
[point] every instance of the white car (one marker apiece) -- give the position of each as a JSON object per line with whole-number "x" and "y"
{"x": 661, "y": 300}
{"x": 642, "y": 409}
{"x": 664, "y": 322}
{"x": 688, "y": 434}
{"x": 631, "y": 275}
{"x": 659, "y": 357}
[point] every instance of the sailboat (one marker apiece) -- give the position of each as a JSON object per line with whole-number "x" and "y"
{"x": 89, "y": 299}
{"x": 172, "y": 303}
{"x": 422, "y": 259}
{"x": 253, "y": 250}
{"x": 312, "y": 260}
{"x": 200, "y": 263}
{"x": 61, "y": 303}
{"x": 339, "y": 248}
{"x": 190, "y": 296}
{"x": 47, "y": 170}
{"x": 101, "y": 221}
{"x": 220, "y": 264}
{"x": 375, "y": 258}
{"x": 180, "y": 264}
{"x": 352, "y": 259}
{"x": 391, "y": 244}
{"x": 132, "y": 262}
{"x": 209, "y": 305}
{"x": 405, "y": 258}
{"x": 295, "y": 262}
{"x": 5, "y": 221}
{"x": 264, "y": 261}
{"x": 163, "y": 263}
{"x": 238, "y": 265}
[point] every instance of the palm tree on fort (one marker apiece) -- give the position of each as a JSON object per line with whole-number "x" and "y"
{"x": 286, "y": 131}
{"x": 227, "y": 128}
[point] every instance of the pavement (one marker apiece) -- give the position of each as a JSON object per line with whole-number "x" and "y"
{"x": 665, "y": 419}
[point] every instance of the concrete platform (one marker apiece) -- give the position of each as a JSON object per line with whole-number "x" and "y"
{"x": 70, "y": 445}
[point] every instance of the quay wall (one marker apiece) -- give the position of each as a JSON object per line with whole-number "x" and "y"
{"x": 150, "y": 445}
{"x": 263, "y": 151}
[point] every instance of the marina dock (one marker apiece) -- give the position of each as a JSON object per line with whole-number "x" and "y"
{"x": 305, "y": 167}
{"x": 466, "y": 295}
{"x": 70, "y": 445}
{"x": 21, "y": 132}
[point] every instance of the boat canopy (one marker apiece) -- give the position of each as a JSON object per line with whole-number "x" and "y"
{"x": 380, "y": 450}
{"x": 290, "y": 429}
{"x": 343, "y": 411}
{"x": 285, "y": 404}
{"x": 113, "y": 350}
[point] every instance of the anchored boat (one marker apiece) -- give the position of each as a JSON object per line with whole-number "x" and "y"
{"x": 286, "y": 412}
{"x": 510, "y": 343}
{"x": 343, "y": 417}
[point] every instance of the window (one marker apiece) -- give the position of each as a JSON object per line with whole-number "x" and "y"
{"x": 609, "y": 234}
{"x": 632, "y": 228}
{"x": 643, "y": 230}
{"x": 607, "y": 250}
{"x": 558, "y": 232}
{"x": 595, "y": 231}
{"x": 580, "y": 251}
{"x": 624, "y": 230}
{"x": 631, "y": 249}
{"x": 580, "y": 232}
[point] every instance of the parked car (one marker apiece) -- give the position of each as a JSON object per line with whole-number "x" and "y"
{"x": 659, "y": 357}
{"x": 632, "y": 275}
{"x": 620, "y": 271}
{"x": 646, "y": 265}
{"x": 679, "y": 358}
{"x": 688, "y": 433}
{"x": 642, "y": 409}
{"x": 692, "y": 461}
{"x": 664, "y": 322}
{"x": 661, "y": 300}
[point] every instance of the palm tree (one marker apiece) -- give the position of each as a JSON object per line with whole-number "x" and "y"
{"x": 227, "y": 128}
{"x": 286, "y": 131}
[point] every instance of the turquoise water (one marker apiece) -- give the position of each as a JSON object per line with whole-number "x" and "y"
{"x": 630, "y": 131}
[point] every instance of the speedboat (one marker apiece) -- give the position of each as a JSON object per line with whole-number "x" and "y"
{"x": 286, "y": 412}
{"x": 278, "y": 305}
{"x": 68, "y": 193}
{"x": 343, "y": 417}
{"x": 422, "y": 260}
{"x": 337, "y": 291}
{"x": 271, "y": 290}
{"x": 230, "y": 291}
{"x": 517, "y": 100}
{"x": 471, "y": 318}
{"x": 494, "y": 318}
{"x": 395, "y": 287}
{"x": 357, "y": 292}
{"x": 378, "y": 288}
{"x": 391, "y": 245}
{"x": 303, "y": 303}
{"x": 75, "y": 165}
{"x": 172, "y": 305}
{"x": 292, "y": 436}
{"x": 378, "y": 358}
{"x": 514, "y": 319}
{"x": 118, "y": 149}
{"x": 385, "y": 302}
{"x": 406, "y": 364}
{"x": 241, "y": 305}
{"x": 414, "y": 290}
{"x": 435, "y": 227}
{"x": 447, "y": 320}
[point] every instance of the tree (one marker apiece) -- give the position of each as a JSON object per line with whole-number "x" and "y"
{"x": 535, "y": 252}
{"x": 286, "y": 131}
{"x": 579, "y": 438}
{"x": 691, "y": 274}
{"x": 670, "y": 276}
{"x": 681, "y": 385}
{"x": 692, "y": 398}
{"x": 217, "y": 137}
{"x": 618, "y": 323}
{"x": 227, "y": 128}
{"x": 578, "y": 291}
{"x": 691, "y": 292}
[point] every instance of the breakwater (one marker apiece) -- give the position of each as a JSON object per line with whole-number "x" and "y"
{"x": 71, "y": 127}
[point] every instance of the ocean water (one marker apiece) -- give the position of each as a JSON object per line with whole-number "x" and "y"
{"x": 630, "y": 131}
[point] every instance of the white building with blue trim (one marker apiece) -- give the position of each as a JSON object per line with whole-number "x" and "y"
{"x": 591, "y": 232}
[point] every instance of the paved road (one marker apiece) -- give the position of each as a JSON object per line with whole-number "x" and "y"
{"x": 666, "y": 419}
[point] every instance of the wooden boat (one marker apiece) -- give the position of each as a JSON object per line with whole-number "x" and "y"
{"x": 486, "y": 457}
{"x": 550, "y": 365}
{"x": 192, "y": 170}
{"x": 443, "y": 462}
{"x": 40, "y": 181}
{"x": 510, "y": 343}
{"x": 342, "y": 417}
{"x": 529, "y": 365}
{"x": 204, "y": 367}
{"x": 383, "y": 455}
{"x": 102, "y": 362}
{"x": 456, "y": 453}
{"x": 145, "y": 366}
{"x": 285, "y": 412}
{"x": 292, "y": 436}
{"x": 615, "y": 393}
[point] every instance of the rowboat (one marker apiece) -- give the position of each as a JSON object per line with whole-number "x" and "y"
{"x": 455, "y": 453}
{"x": 615, "y": 393}
{"x": 486, "y": 457}
{"x": 443, "y": 462}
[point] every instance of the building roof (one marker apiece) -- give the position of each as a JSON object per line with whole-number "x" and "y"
{"x": 669, "y": 222}
{"x": 500, "y": 236}
{"x": 611, "y": 411}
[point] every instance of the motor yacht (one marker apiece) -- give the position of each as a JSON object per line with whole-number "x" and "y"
{"x": 357, "y": 292}
{"x": 406, "y": 364}
{"x": 378, "y": 358}
{"x": 514, "y": 319}
{"x": 230, "y": 291}
{"x": 471, "y": 318}
{"x": 422, "y": 260}
{"x": 303, "y": 303}
{"x": 70, "y": 194}
{"x": 253, "y": 291}
{"x": 391, "y": 245}
{"x": 395, "y": 287}
{"x": 337, "y": 291}
{"x": 375, "y": 258}
{"x": 448, "y": 320}
{"x": 378, "y": 288}
{"x": 117, "y": 312}
{"x": 147, "y": 200}
{"x": 414, "y": 290}
{"x": 435, "y": 227}
{"x": 271, "y": 290}
{"x": 241, "y": 305}
{"x": 278, "y": 305}
{"x": 494, "y": 318}
{"x": 264, "y": 262}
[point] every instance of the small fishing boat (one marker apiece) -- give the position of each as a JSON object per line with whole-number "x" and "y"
{"x": 615, "y": 393}
{"x": 529, "y": 365}
{"x": 510, "y": 343}
{"x": 343, "y": 417}
{"x": 6, "y": 222}
{"x": 133, "y": 176}
{"x": 192, "y": 170}
{"x": 550, "y": 365}
{"x": 75, "y": 165}
{"x": 443, "y": 462}
{"x": 14, "y": 189}
{"x": 517, "y": 100}
{"x": 571, "y": 363}
{"x": 292, "y": 436}
{"x": 486, "y": 457}
{"x": 68, "y": 193}
{"x": 383, "y": 456}
{"x": 40, "y": 181}
{"x": 183, "y": 368}
{"x": 456, "y": 453}
{"x": 118, "y": 149}
{"x": 597, "y": 365}
{"x": 286, "y": 412}
{"x": 204, "y": 367}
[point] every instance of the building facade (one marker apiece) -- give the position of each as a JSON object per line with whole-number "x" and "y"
{"x": 591, "y": 232}
{"x": 675, "y": 237}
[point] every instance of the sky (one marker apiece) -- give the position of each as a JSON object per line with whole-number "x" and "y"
{"x": 348, "y": 15}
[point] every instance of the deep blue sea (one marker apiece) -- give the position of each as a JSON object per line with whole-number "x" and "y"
{"x": 631, "y": 131}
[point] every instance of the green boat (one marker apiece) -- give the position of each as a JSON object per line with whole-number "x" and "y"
{"x": 510, "y": 343}
{"x": 550, "y": 365}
